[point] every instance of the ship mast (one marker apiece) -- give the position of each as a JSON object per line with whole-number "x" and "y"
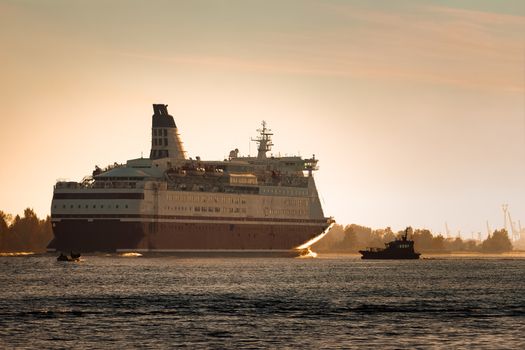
{"x": 264, "y": 141}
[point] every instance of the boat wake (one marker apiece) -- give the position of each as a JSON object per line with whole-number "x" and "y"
{"x": 130, "y": 255}
{"x": 316, "y": 238}
{"x": 17, "y": 254}
{"x": 307, "y": 253}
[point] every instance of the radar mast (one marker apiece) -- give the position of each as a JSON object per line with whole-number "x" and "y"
{"x": 264, "y": 141}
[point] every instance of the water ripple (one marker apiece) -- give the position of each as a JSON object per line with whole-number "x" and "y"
{"x": 165, "y": 301}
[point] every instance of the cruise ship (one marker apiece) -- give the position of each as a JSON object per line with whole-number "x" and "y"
{"x": 171, "y": 203}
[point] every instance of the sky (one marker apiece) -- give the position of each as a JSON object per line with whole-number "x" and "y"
{"x": 415, "y": 109}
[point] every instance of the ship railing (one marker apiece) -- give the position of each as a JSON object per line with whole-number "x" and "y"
{"x": 97, "y": 185}
{"x": 112, "y": 166}
{"x": 300, "y": 184}
{"x": 67, "y": 184}
{"x": 116, "y": 185}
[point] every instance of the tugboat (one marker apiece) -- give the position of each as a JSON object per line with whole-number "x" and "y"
{"x": 398, "y": 249}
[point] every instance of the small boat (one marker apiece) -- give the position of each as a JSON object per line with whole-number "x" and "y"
{"x": 72, "y": 257}
{"x": 398, "y": 249}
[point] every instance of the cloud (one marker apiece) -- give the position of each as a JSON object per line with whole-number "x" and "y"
{"x": 415, "y": 45}
{"x": 486, "y": 18}
{"x": 443, "y": 45}
{"x": 440, "y": 45}
{"x": 432, "y": 45}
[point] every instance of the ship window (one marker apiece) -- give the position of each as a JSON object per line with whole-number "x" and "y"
{"x": 79, "y": 206}
{"x": 154, "y": 132}
{"x": 165, "y": 142}
{"x": 87, "y": 206}
{"x": 102, "y": 206}
{"x": 155, "y": 142}
{"x": 94, "y": 206}
{"x": 165, "y": 132}
{"x": 71, "y": 206}
{"x": 126, "y": 206}
{"x": 116, "y": 206}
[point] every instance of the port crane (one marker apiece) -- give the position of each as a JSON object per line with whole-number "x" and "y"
{"x": 447, "y": 230}
{"x": 515, "y": 232}
{"x": 489, "y": 231}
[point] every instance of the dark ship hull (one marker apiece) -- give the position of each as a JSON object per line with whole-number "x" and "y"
{"x": 113, "y": 235}
{"x": 397, "y": 249}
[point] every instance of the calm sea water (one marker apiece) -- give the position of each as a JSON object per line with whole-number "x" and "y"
{"x": 165, "y": 301}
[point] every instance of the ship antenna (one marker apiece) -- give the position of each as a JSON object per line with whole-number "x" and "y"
{"x": 264, "y": 141}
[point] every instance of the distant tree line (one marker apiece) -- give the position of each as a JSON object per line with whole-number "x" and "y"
{"x": 24, "y": 234}
{"x": 29, "y": 233}
{"x": 351, "y": 238}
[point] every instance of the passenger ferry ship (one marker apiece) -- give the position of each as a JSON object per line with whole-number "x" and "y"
{"x": 169, "y": 202}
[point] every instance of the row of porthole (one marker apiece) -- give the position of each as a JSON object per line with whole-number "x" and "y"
{"x": 218, "y": 210}
{"x": 296, "y": 202}
{"x": 292, "y": 212}
{"x": 205, "y": 199}
{"x": 288, "y": 192}
{"x": 187, "y": 227}
{"x": 72, "y": 206}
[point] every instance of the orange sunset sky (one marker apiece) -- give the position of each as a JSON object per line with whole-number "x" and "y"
{"x": 416, "y": 109}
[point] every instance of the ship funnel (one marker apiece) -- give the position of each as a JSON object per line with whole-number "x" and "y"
{"x": 165, "y": 138}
